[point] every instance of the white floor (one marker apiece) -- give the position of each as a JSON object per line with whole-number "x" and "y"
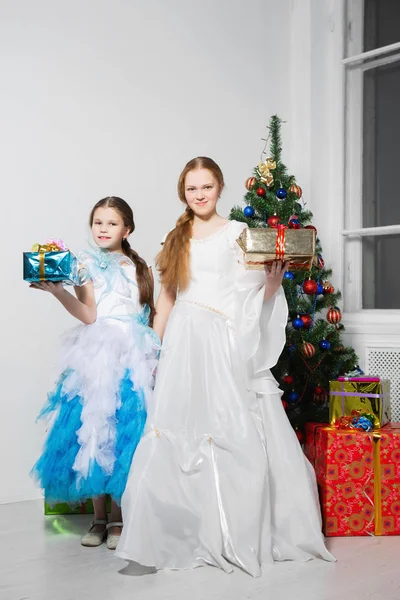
{"x": 41, "y": 559}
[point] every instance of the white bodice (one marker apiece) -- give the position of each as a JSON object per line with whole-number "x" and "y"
{"x": 122, "y": 299}
{"x": 215, "y": 261}
{"x": 114, "y": 280}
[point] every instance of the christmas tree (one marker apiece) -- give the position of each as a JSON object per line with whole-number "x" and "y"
{"x": 314, "y": 352}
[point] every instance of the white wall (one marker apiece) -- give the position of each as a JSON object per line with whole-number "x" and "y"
{"x": 316, "y": 117}
{"x": 113, "y": 97}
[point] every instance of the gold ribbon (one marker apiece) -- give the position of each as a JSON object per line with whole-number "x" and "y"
{"x": 41, "y": 249}
{"x": 376, "y": 442}
{"x": 42, "y": 275}
{"x": 264, "y": 169}
{"x": 45, "y": 248}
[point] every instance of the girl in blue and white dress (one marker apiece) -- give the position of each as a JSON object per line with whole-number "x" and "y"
{"x": 98, "y": 406}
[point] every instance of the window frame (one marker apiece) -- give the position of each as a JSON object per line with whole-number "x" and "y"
{"x": 355, "y": 63}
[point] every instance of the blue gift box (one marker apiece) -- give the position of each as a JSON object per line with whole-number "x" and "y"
{"x": 51, "y": 266}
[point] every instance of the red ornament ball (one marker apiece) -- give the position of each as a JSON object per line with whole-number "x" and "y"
{"x": 285, "y": 404}
{"x": 288, "y": 379}
{"x": 307, "y": 320}
{"x": 328, "y": 287}
{"x": 273, "y": 221}
{"x": 296, "y": 189}
{"x": 319, "y": 390}
{"x": 334, "y": 316}
{"x": 261, "y": 192}
{"x": 307, "y": 350}
{"x": 294, "y": 224}
{"x": 300, "y": 436}
{"x": 310, "y": 287}
{"x": 311, "y": 227}
{"x": 251, "y": 182}
{"x": 320, "y": 398}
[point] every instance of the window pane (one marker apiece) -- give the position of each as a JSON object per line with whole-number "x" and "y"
{"x": 381, "y": 23}
{"x": 381, "y": 145}
{"x": 381, "y": 280}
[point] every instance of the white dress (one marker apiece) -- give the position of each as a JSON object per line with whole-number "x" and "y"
{"x": 97, "y": 409}
{"x": 219, "y": 477}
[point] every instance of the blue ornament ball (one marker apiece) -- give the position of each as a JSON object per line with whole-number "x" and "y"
{"x": 248, "y": 211}
{"x": 293, "y": 396}
{"x": 290, "y": 275}
{"x": 298, "y": 207}
{"x": 281, "y": 193}
{"x": 320, "y": 289}
{"x": 324, "y": 345}
{"x": 298, "y": 323}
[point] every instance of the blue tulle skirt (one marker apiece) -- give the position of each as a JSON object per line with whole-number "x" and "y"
{"x": 54, "y": 469}
{"x": 97, "y": 411}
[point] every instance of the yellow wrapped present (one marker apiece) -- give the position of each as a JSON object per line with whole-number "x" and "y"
{"x": 366, "y": 397}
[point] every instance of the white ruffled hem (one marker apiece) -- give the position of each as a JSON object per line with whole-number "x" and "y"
{"x": 95, "y": 360}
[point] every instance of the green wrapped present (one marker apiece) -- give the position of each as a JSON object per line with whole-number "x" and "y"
{"x": 84, "y": 508}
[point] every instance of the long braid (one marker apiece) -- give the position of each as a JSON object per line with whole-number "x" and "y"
{"x": 144, "y": 279}
{"x": 173, "y": 261}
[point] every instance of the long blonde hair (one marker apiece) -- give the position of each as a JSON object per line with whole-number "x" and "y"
{"x": 173, "y": 261}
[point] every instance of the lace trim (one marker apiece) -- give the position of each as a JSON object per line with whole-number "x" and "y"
{"x": 215, "y": 310}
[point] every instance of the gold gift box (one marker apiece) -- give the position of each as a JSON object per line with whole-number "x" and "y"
{"x": 365, "y": 396}
{"x": 262, "y": 246}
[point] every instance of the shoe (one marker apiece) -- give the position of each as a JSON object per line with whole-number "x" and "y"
{"x": 112, "y": 539}
{"x": 95, "y": 538}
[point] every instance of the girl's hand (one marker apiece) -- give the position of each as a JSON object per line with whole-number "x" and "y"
{"x": 48, "y": 286}
{"x": 274, "y": 276}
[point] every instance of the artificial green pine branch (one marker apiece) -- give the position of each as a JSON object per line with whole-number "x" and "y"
{"x": 276, "y": 142}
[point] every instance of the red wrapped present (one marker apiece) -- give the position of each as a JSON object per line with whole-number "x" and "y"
{"x": 309, "y": 443}
{"x": 358, "y": 474}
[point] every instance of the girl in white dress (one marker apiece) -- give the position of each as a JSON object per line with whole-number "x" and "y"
{"x": 219, "y": 477}
{"x": 98, "y": 407}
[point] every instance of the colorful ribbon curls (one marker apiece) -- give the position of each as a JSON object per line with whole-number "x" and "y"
{"x": 357, "y": 420}
{"x": 51, "y": 245}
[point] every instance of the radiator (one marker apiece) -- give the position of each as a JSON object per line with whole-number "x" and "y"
{"x": 385, "y": 362}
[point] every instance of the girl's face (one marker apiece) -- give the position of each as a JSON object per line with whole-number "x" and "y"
{"x": 202, "y": 192}
{"x": 108, "y": 229}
